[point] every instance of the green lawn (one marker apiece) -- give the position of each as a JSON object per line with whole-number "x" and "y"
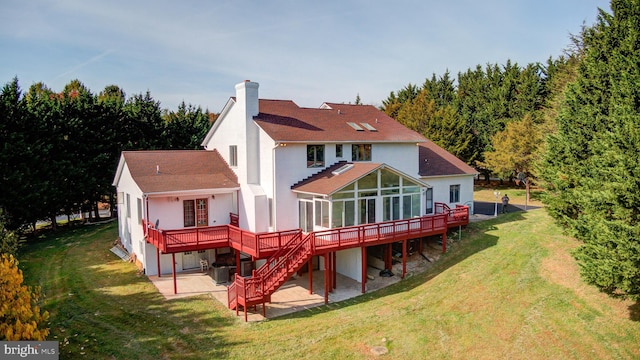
{"x": 516, "y": 195}
{"x": 508, "y": 290}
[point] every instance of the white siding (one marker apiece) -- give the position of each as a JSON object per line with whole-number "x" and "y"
{"x": 441, "y": 186}
{"x": 349, "y": 263}
{"x": 130, "y": 232}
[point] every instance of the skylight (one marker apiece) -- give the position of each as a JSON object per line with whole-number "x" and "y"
{"x": 355, "y": 126}
{"x": 368, "y": 127}
{"x": 342, "y": 169}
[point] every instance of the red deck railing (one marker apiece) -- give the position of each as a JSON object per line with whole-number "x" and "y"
{"x": 378, "y": 233}
{"x": 263, "y": 245}
{"x": 287, "y": 251}
{"x": 457, "y": 216}
{"x": 280, "y": 266}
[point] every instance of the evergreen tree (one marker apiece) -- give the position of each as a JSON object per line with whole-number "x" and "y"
{"x": 441, "y": 90}
{"x": 391, "y": 106}
{"x": 185, "y": 128}
{"x": 111, "y": 102}
{"x": 143, "y": 124}
{"x": 14, "y": 145}
{"x": 441, "y": 124}
{"x": 591, "y": 165}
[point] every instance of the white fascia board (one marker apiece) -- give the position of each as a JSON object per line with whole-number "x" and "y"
{"x": 121, "y": 163}
{"x": 447, "y": 176}
{"x": 191, "y": 192}
{"x": 225, "y": 110}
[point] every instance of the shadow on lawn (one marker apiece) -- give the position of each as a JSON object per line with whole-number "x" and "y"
{"x": 101, "y": 307}
{"x": 474, "y": 240}
{"x": 634, "y": 311}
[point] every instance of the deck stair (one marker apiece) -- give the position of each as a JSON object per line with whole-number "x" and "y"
{"x": 287, "y": 251}
{"x": 246, "y": 292}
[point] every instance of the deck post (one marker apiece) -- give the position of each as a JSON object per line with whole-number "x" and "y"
{"x": 364, "y": 268}
{"x": 158, "y": 260}
{"x": 335, "y": 271}
{"x": 388, "y": 256}
{"x": 330, "y": 272}
{"x": 310, "y": 266}
{"x": 310, "y": 275}
{"x": 237, "y": 261}
{"x": 444, "y": 241}
{"x": 326, "y": 278}
{"x": 173, "y": 267}
{"x": 404, "y": 258}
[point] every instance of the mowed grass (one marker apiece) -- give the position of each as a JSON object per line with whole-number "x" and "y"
{"x": 517, "y": 195}
{"x": 508, "y": 290}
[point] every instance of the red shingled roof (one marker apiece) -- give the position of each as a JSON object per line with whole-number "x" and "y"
{"x": 326, "y": 183}
{"x": 436, "y": 161}
{"x": 283, "y": 120}
{"x": 179, "y": 170}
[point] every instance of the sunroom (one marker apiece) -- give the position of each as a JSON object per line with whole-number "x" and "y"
{"x": 347, "y": 194}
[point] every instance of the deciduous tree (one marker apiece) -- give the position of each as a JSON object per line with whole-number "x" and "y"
{"x": 20, "y": 315}
{"x": 514, "y": 149}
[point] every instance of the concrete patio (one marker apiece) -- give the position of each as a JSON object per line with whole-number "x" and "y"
{"x": 294, "y": 295}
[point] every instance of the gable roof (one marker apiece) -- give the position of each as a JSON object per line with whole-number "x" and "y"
{"x": 284, "y": 121}
{"x": 331, "y": 180}
{"x": 178, "y": 170}
{"x": 436, "y": 161}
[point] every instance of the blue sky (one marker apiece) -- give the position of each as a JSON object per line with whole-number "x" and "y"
{"x": 306, "y": 51}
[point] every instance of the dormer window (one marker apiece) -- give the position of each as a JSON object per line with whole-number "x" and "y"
{"x": 315, "y": 156}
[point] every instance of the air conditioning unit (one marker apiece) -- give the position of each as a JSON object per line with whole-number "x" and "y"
{"x": 246, "y": 268}
{"x": 220, "y": 274}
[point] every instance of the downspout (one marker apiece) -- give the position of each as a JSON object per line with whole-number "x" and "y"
{"x": 146, "y": 206}
{"x": 273, "y": 187}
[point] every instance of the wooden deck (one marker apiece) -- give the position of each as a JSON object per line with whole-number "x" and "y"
{"x": 287, "y": 251}
{"x": 265, "y": 245}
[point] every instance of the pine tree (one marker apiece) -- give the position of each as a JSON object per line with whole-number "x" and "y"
{"x": 441, "y": 124}
{"x": 591, "y": 165}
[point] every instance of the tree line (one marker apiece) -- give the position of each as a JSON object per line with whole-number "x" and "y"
{"x": 572, "y": 125}
{"x": 489, "y": 116}
{"x": 60, "y": 149}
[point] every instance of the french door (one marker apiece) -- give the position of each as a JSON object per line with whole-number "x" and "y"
{"x": 196, "y": 212}
{"x": 367, "y": 208}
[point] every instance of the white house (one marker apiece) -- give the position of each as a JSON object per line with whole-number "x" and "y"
{"x": 277, "y": 168}
{"x": 172, "y": 189}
